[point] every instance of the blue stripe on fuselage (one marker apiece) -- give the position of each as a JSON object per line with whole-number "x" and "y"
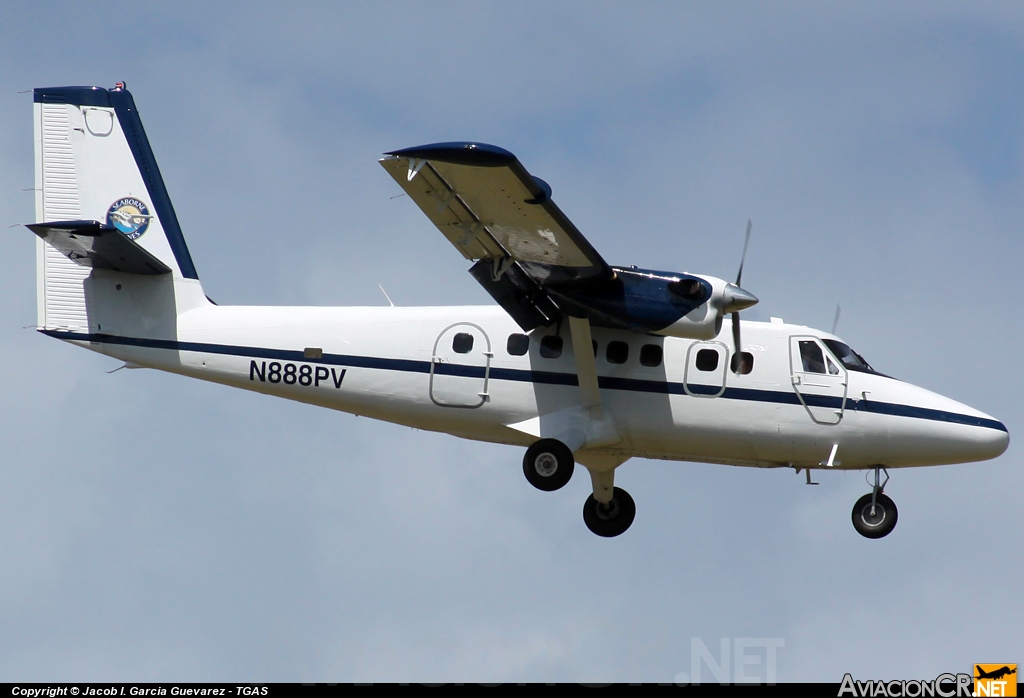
{"x": 543, "y": 377}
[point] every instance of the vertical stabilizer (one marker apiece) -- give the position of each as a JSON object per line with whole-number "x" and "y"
{"x": 94, "y": 163}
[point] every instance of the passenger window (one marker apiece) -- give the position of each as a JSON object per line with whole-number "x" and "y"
{"x": 707, "y": 359}
{"x": 463, "y": 343}
{"x": 518, "y": 344}
{"x": 617, "y": 352}
{"x": 812, "y": 358}
{"x": 742, "y": 363}
{"x": 650, "y": 355}
{"x": 551, "y": 346}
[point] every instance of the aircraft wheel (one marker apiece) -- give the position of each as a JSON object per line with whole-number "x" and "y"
{"x": 548, "y": 464}
{"x": 878, "y": 523}
{"x": 612, "y": 519}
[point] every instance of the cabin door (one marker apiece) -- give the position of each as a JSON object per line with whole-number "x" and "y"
{"x": 819, "y": 380}
{"x": 460, "y": 366}
{"x": 706, "y": 364}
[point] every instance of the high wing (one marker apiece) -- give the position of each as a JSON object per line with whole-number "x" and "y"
{"x": 531, "y": 258}
{"x": 497, "y": 214}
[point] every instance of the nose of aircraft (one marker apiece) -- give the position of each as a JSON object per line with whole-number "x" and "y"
{"x": 989, "y": 440}
{"x": 932, "y": 429}
{"x": 995, "y": 440}
{"x": 972, "y": 434}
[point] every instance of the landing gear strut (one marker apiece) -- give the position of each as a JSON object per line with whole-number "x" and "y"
{"x": 609, "y": 511}
{"x": 611, "y": 519}
{"x": 548, "y": 464}
{"x": 874, "y": 515}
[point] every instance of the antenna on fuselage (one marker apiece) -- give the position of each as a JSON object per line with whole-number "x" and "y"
{"x": 386, "y": 295}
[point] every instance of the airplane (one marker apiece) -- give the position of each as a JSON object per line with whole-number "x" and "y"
{"x": 127, "y": 220}
{"x": 996, "y": 673}
{"x": 580, "y": 362}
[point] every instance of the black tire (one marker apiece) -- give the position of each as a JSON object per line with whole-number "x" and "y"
{"x": 548, "y": 465}
{"x": 612, "y": 519}
{"x": 879, "y": 523}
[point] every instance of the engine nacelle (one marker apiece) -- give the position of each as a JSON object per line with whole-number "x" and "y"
{"x": 704, "y": 321}
{"x": 662, "y": 303}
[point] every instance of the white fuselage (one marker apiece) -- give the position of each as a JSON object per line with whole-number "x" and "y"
{"x": 399, "y": 364}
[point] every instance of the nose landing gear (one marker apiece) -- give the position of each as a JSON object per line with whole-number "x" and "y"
{"x": 874, "y": 515}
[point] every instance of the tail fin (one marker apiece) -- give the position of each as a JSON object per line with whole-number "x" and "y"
{"x": 96, "y": 170}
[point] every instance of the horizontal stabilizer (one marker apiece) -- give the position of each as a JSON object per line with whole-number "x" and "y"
{"x": 92, "y": 244}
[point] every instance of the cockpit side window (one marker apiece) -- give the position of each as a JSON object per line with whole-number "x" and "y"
{"x": 812, "y": 357}
{"x": 848, "y": 357}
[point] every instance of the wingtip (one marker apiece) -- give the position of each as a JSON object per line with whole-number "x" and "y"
{"x": 459, "y": 153}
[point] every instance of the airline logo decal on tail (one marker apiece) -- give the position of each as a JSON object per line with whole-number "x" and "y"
{"x": 130, "y": 216}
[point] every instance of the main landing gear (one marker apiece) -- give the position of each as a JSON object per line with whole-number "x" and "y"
{"x": 874, "y": 515}
{"x": 548, "y": 465}
{"x": 608, "y": 512}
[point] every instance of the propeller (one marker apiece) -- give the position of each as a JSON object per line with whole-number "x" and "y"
{"x": 737, "y": 299}
{"x": 835, "y": 322}
{"x": 743, "y": 257}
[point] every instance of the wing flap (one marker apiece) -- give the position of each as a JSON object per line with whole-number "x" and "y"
{"x": 445, "y": 209}
{"x": 92, "y": 244}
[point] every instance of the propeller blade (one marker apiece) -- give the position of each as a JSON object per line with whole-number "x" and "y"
{"x": 743, "y": 258}
{"x": 736, "y": 300}
{"x": 736, "y": 333}
{"x": 835, "y": 322}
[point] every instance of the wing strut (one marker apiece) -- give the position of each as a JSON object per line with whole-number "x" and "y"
{"x": 586, "y": 366}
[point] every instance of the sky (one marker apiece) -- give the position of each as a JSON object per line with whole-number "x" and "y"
{"x": 157, "y": 528}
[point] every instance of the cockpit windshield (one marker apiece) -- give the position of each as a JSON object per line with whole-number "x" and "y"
{"x": 849, "y": 358}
